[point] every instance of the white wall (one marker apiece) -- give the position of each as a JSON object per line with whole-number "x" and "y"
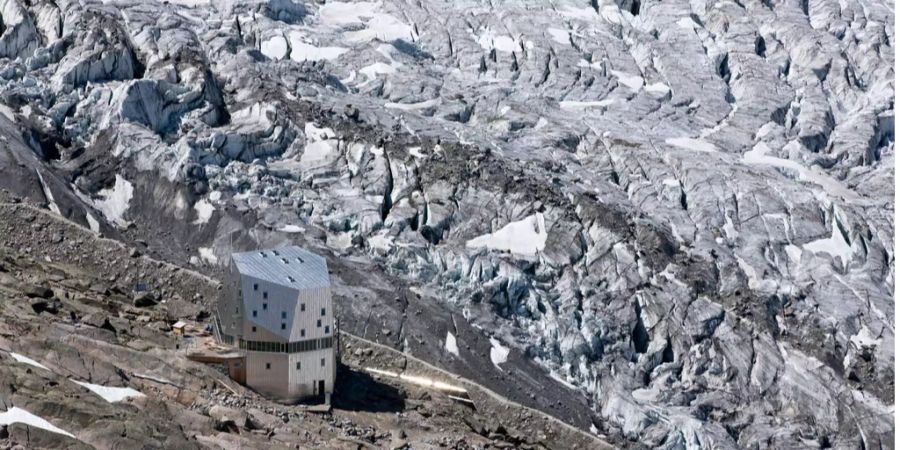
{"x": 315, "y": 300}
{"x": 282, "y": 380}
{"x": 311, "y": 370}
{"x": 272, "y": 382}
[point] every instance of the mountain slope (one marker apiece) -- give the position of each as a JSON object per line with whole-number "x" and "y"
{"x": 677, "y": 217}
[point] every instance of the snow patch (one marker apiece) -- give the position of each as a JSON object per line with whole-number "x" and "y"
{"x": 110, "y": 394}
{"x": 687, "y": 23}
{"x": 208, "y": 256}
{"x": 759, "y": 155}
{"x": 378, "y": 25}
{"x": 730, "y": 231}
{"x": 525, "y": 237}
{"x": 113, "y": 202}
{"x": 275, "y": 47}
{"x": 865, "y": 338}
{"x": 292, "y": 229}
{"x": 834, "y": 245}
{"x": 191, "y": 3}
{"x": 26, "y": 360}
{"x": 413, "y": 106}
{"x": 488, "y": 41}
{"x": 380, "y": 242}
{"x": 559, "y": 36}
{"x": 658, "y": 88}
{"x": 633, "y": 82}
{"x": 383, "y": 27}
{"x": 794, "y": 253}
{"x": 204, "y": 211}
{"x": 450, "y": 344}
{"x": 693, "y": 144}
{"x": 48, "y": 194}
{"x": 499, "y": 353}
{"x": 416, "y": 152}
{"x": 302, "y": 51}
{"x": 8, "y": 112}
{"x": 19, "y": 415}
{"x": 373, "y": 70}
{"x": 92, "y": 222}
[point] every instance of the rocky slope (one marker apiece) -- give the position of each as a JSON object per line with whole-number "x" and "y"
{"x": 88, "y": 363}
{"x": 670, "y": 223}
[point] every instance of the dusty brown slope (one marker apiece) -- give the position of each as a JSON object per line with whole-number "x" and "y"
{"x": 67, "y": 302}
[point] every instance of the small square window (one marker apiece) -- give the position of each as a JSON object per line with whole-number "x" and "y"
{"x": 255, "y": 286}
{"x": 323, "y": 362}
{"x": 283, "y": 326}
{"x": 298, "y": 365}
{"x": 303, "y": 333}
{"x": 327, "y": 329}
{"x": 254, "y": 313}
{"x": 254, "y": 329}
{"x": 303, "y": 307}
{"x": 269, "y": 365}
{"x": 319, "y": 323}
{"x": 323, "y": 312}
{"x": 265, "y": 295}
{"x": 284, "y": 314}
{"x": 265, "y": 306}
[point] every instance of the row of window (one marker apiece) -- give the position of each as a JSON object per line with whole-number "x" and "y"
{"x": 302, "y": 330}
{"x": 321, "y": 363}
{"x": 265, "y": 306}
{"x": 287, "y": 347}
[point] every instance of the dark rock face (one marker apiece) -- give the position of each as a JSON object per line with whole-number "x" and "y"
{"x": 684, "y": 211}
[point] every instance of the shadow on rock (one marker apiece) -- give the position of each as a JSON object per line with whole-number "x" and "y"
{"x": 358, "y": 391}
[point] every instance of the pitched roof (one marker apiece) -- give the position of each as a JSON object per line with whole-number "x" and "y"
{"x": 291, "y": 267}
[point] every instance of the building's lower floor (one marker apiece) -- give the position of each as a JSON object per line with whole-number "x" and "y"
{"x": 291, "y": 376}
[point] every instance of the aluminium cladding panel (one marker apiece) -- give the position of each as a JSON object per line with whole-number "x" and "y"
{"x": 276, "y": 374}
{"x": 308, "y": 320}
{"x": 311, "y": 371}
{"x": 290, "y": 266}
{"x": 230, "y": 308}
{"x": 272, "y": 304}
{"x": 272, "y": 381}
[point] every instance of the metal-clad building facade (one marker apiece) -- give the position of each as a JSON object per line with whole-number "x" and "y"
{"x": 277, "y": 309}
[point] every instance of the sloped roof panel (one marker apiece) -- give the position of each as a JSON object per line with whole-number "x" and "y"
{"x": 292, "y": 267}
